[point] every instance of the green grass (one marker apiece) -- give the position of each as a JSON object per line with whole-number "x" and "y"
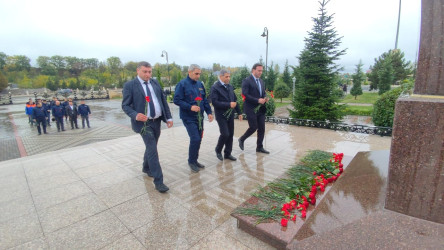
{"x": 359, "y": 110}
{"x": 364, "y": 98}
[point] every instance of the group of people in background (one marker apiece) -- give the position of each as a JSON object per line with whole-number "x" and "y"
{"x": 40, "y": 113}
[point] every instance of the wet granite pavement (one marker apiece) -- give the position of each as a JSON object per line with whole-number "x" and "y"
{"x": 84, "y": 188}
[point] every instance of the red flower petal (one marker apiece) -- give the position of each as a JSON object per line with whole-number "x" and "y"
{"x": 294, "y": 218}
{"x": 303, "y": 214}
{"x": 284, "y": 222}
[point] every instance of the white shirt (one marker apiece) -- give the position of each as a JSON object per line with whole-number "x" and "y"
{"x": 153, "y": 97}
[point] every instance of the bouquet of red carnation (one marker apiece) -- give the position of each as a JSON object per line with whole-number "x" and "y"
{"x": 144, "y": 129}
{"x": 199, "y": 114}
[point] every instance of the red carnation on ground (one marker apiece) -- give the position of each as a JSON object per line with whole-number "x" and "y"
{"x": 284, "y": 222}
{"x": 303, "y": 214}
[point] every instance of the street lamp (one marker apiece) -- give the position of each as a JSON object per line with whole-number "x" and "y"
{"x": 294, "y": 82}
{"x": 168, "y": 67}
{"x": 397, "y": 29}
{"x": 265, "y": 34}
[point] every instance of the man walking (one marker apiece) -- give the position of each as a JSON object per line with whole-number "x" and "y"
{"x": 39, "y": 115}
{"x": 58, "y": 111}
{"x": 71, "y": 111}
{"x": 224, "y": 101}
{"x": 84, "y": 112}
{"x": 253, "y": 88}
{"x": 190, "y": 96}
{"x": 145, "y": 94}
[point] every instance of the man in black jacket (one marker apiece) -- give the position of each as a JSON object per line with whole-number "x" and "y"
{"x": 225, "y": 102}
{"x": 39, "y": 115}
{"x": 71, "y": 111}
{"x": 253, "y": 88}
{"x": 146, "y": 105}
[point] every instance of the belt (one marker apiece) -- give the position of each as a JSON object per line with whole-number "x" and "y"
{"x": 153, "y": 119}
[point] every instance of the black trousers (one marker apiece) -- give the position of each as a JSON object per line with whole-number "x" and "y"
{"x": 256, "y": 121}
{"x": 226, "y": 129}
{"x": 42, "y": 122}
{"x": 59, "y": 122}
{"x": 73, "y": 121}
{"x": 151, "y": 157}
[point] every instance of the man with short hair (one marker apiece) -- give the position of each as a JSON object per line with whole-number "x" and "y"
{"x": 58, "y": 111}
{"x": 190, "y": 96}
{"x": 253, "y": 88}
{"x": 145, "y": 94}
{"x": 224, "y": 101}
{"x": 39, "y": 116}
{"x": 71, "y": 111}
{"x": 84, "y": 112}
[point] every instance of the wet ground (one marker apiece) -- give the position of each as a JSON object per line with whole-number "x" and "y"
{"x": 84, "y": 188}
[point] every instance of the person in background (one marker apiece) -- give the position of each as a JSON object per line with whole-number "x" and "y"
{"x": 71, "y": 111}
{"x": 84, "y": 112}
{"x": 190, "y": 96}
{"x": 28, "y": 110}
{"x": 39, "y": 115}
{"x": 64, "y": 105}
{"x": 47, "y": 107}
{"x": 58, "y": 112}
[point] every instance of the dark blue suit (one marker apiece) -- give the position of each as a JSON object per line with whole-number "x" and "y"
{"x": 184, "y": 96}
{"x": 221, "y": 96}
{"x": 133, "y": 103}
{"x": 256, "y": 121}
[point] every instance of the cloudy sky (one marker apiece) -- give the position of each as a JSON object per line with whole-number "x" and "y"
{"x": 203, "y": 32}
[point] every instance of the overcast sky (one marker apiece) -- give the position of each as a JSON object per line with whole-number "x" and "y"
{"x": 202, "y": 32}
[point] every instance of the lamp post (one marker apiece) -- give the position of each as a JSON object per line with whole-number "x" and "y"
{"x": 294, "y": 82}
{"x": 397, "y": 29}
{"x": 265, "y": 34}
{"x": 164, "y": 53}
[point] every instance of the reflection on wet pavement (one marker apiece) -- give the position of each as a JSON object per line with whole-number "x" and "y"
{"x": 120, "y": 207}
{"x": 359, "y": 192}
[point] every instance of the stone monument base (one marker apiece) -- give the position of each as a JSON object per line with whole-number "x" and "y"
{"x": 416, "y": 175}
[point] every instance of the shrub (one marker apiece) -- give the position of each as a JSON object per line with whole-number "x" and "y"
{"x": 270, "y": 105}
{"x": 384, "y": 108}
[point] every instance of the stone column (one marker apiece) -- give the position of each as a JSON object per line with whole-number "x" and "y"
{"x": 416, "y": 170}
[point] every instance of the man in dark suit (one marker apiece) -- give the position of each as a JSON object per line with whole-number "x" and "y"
{"x": 225, "y": 102}
{"x": 140, "y": 94}
{"x": 253, "y": 88}
{"x": 71, "y": 111}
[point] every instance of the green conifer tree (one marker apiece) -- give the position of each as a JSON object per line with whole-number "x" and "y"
{"x": 358, "y": 79}
{"x": 315, "y": 98}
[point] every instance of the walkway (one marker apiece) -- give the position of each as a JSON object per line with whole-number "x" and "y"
{"x": 93, "y": 194}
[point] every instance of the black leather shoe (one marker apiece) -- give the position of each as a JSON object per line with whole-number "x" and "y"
{"x": 241, "y": 144}
{"x": 200, "y": 165}
{"x": 230, "y": 157}
{"x": 219, "y": 156}
{"x": 262, "y": 150}
{"x": 162, "y": 188}
{"x": 193, "y": 167}
{"x": 148, "y": 173}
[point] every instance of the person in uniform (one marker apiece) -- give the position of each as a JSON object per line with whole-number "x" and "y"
{"x": 39, "y": 115}
{"x": 58, "y": 112}
{"x": 84, "y": 112}
{"x": 190, "y": 96}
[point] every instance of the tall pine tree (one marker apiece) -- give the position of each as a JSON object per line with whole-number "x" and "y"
{"x": 315, "y": 98}
{"x": 358, "y": 79}
{"x": 286, "y": 77}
